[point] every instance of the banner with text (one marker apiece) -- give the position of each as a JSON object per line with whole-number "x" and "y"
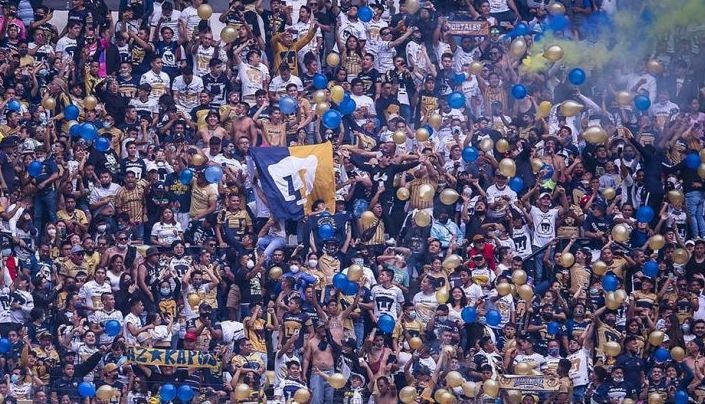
{"x": 173, "y": 357}
{"x": 528, "y": 383}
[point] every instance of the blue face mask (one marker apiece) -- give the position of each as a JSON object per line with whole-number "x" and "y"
{"x": 14, "y": 379}
{"x": 165, "y": 291}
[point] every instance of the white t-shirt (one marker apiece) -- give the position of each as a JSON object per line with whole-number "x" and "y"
{"x": 172, "y": 21}
{"x": 187, "y": 93}
{"x": 190, "y": 16}
{"x": 131, "y": 319}
{"x": 229, "y": 162}
{"x": 232, "y": 331}
{"x": 278, "y": 85}
{"x": 160, "y": 83}
{"x": 535, "y": 360}
{"x": 544, "y": 225}
{"x": 66, "y": 47}
{"x": 498, "y": 6}
{"x": 101, "y": 317}
{"x": 366, "y": 103}
{"x": 425, "y": 305}
{"x": 579, "y": 367}
{"x": 387, "y": 301}
{"x": 91, "y": 293}
{"x": 166, "y": 233}
{"x": 252, "y": 77}
{"x": 150, "y": 106}
{"x": 383, "y": 53}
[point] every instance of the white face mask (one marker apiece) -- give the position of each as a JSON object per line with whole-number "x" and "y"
{"x": 312, "y": 263}
{"x": 250, "y": 264}
{"x": 102, "y": 227}
{"x": 294, "y": 268}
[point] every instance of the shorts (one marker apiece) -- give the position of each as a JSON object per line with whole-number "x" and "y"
{"x": 234, "y": 297}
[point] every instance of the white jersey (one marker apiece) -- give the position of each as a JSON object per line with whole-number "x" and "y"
{"x": 544, "y": 225}
{"x": 252, "y": 78}
{"x": 203, "y": 57}
{"x": 383, "y": 53}
{"x": 101, "y": 317}
{"x": 233, "y": 331}
{"x": 130, "y": 339}
{"x": 189, "y": 15}
{"x": 172, "y": 21}
{"x": 498, "y": 6}
{"x": 66, "y": 47}
{"x": 5, "y": 316}
{"x": 522, "y": 241}
{"x": 534, "y": 360}
{"x": 580, "y": 364}
{"x": 278, "y": 85}
{"x": 387, "y": 301}
{"x": 425, "y": 305}
{"x": 364, "y": 103}
{"x": 374, "y": 28}
{"x": 146, "y": 108}
{"x": 160, "y": 83}
{"x": 91, "y": 293}
{"x": 26, "y": 302}
{"x": 187, "y": 98}
{"x": 505, "y": 307}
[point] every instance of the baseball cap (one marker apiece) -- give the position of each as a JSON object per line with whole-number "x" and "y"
{"x": 76, "y": 249}
{"x": 544, "y": 194}
{"x": 110, "y": 367}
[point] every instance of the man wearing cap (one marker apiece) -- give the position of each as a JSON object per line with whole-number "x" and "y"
{"x": 69, "y": 266}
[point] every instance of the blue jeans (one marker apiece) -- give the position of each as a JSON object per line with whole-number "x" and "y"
{"x": 405, "y": 112}
{"x": 695, "y": 203}
{"x": 359, "y": 328}
{"x": 269, "y": 244}
{"x": 44, "y": 209}
{"x": 322, "y": 392}
{"x": 579, "y": 393}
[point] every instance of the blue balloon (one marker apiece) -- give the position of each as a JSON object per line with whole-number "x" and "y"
{"x": 186, "y": 176}
{"x": 610, "y": 282}
{"x": 470, "y": 154}
{"x": 75, "y": 129}
{"x": 650, "y": 268}
{"x": 469, "y": 315}
{"x": 213, "y": 174}
{"x": 14, "y": 105}
{"x": 167, "y": 392}
{"x": 112, "y": 328}
{"x": 347, "y": 106}
{"x": 538, "y": 37}
{"x": 642, "y": 102}
{"x": 521, "y": 29}
{"x": 34, "y": 168}
{"x": 516, "y": 184}
{"x": 558, "y": 22}
{"x": 681, "y": 397}
{"x": 456, "y": 100}
{"x": 493, "y": 317}
{"x": 320, "y": 81}
{"x": 287, "y": 105}
{"x": 386, "y": 323}
{"x": 326, "y": 231}
{"x": 185, "y": 393}
{"x": 364, "y": 13}
{"x": 692, "y": 160}
{"x": 350, "y": 288}
{"x": 519, "y": 91}
{"x": 4, "y": 345}
{"x": 459, "y": 78}
{"x": 661, "y": 354}
{"x": 88, "y": 131}
{"x": 340, "y": 280}
{"x": 553, "y": 328}
{"x": 86, "y": 389}
{"x": 102, "y": 144}
{"x": 332, "y": 119}
{"x": 71, "y": 112}
{"x": 645, "y": 214}
{"x": 577, "y": 76}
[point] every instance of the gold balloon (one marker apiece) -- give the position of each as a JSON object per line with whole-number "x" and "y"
{"x": 425, "y": 192}
{"x": 90, "y": 102}
{"x": 204, "y": 11}
{"x": 198, "y": 160}
{"x": 332, "y": 59}
{"x": 399, "y": 137}
{"x": 228, "y": 34}
{"x": 193, "y": 299}
{"x": 507, "y": 167}
{"x": 544, "y": 109}
{"x": 337, "y": 380}
{"x": 655, "y": 398}
{"x": 701, "y": 170}
{"x": 367, "y": 218}
{"x": 412, "y": 6}
{"x": 502, "y": 145}
{"x": 275, "y": 273}
{"x": 627, "y": 401}
{"x": 302, "y": 395}
{"x": 599, "y": 268}
{"x": 319, "y": 96}
{"x": 491, "y": 388}
{"x": 476, "y": 68}
{"x": 449, "y": 351}
{"x": 680, "y": 256}
{"x": 677, "y": 353}
{"x": 438, "y": 393}
{"x": 104, "y": 393}
{"x": 675, "y": 196}
{"x": 518, "y": 47}
{"x": 408, "y": 394}
{"x": 449, "y": 196}
{"x": 321, "y": 108}
{"x": 504, "y": 289}
{"x": 446, "y": 398}
{"x": 422, "y": 134}
{"x": 611, "y": 301}
{"x": 595, "y": 135}
{"x": 522, "y": 368}
{"x": 403, "y": 194}
{"x": 623, "y": 97}
{"x": 422, "y": 218}
{"x": 656, "y": 242}
{"x": 620, "y": 295}
{"x": 553, "y": 53}
{"x": 519, "y": 277}
{"x": 570, "y": 108}
{"x": 435, "y": 120}
{"x": 454, "y": 379}
{"x": 486, "y": 145}
{"x": 620, "y": 233}
{"x": 612, "y": 348}
{"x": 452, "y": 261}
{"x": 536, "y": 164}
{"x": 469, "y": 389}
{"x": 609, "y": 193}
{"x": 442, "y": 295}
{"x": 49, "y": 103}
{"x": 337, "y": 93}
{"x": 415, "y": 343}
{"x": 242, "y": 391}
{"x": 526, "y": 292}
{"x": 556, "y": 8}
{"x": 513, "y": 396}
{"x": 654, "y": 67}
{"x": 567, "y": 260}
{"x": 656, "y": 337}
{"x": 355, "y": 272}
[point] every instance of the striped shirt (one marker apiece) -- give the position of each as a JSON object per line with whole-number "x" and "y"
{"x": 415, "y": 200}
{"x": 378, "y": 237}
{"x": 132, "y": 202}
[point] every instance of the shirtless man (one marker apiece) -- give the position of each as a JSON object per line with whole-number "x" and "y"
{"x": 273, "y": 132}
{"x": 243, "y": 125}
{"x": 336, "y": 319}
{"x": 212, "y": 128}
{"x": 318, "y": 355}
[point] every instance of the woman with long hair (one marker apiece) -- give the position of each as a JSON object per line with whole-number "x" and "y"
{"x": 351, "y": 56}
{"x": 167, "y": 229}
